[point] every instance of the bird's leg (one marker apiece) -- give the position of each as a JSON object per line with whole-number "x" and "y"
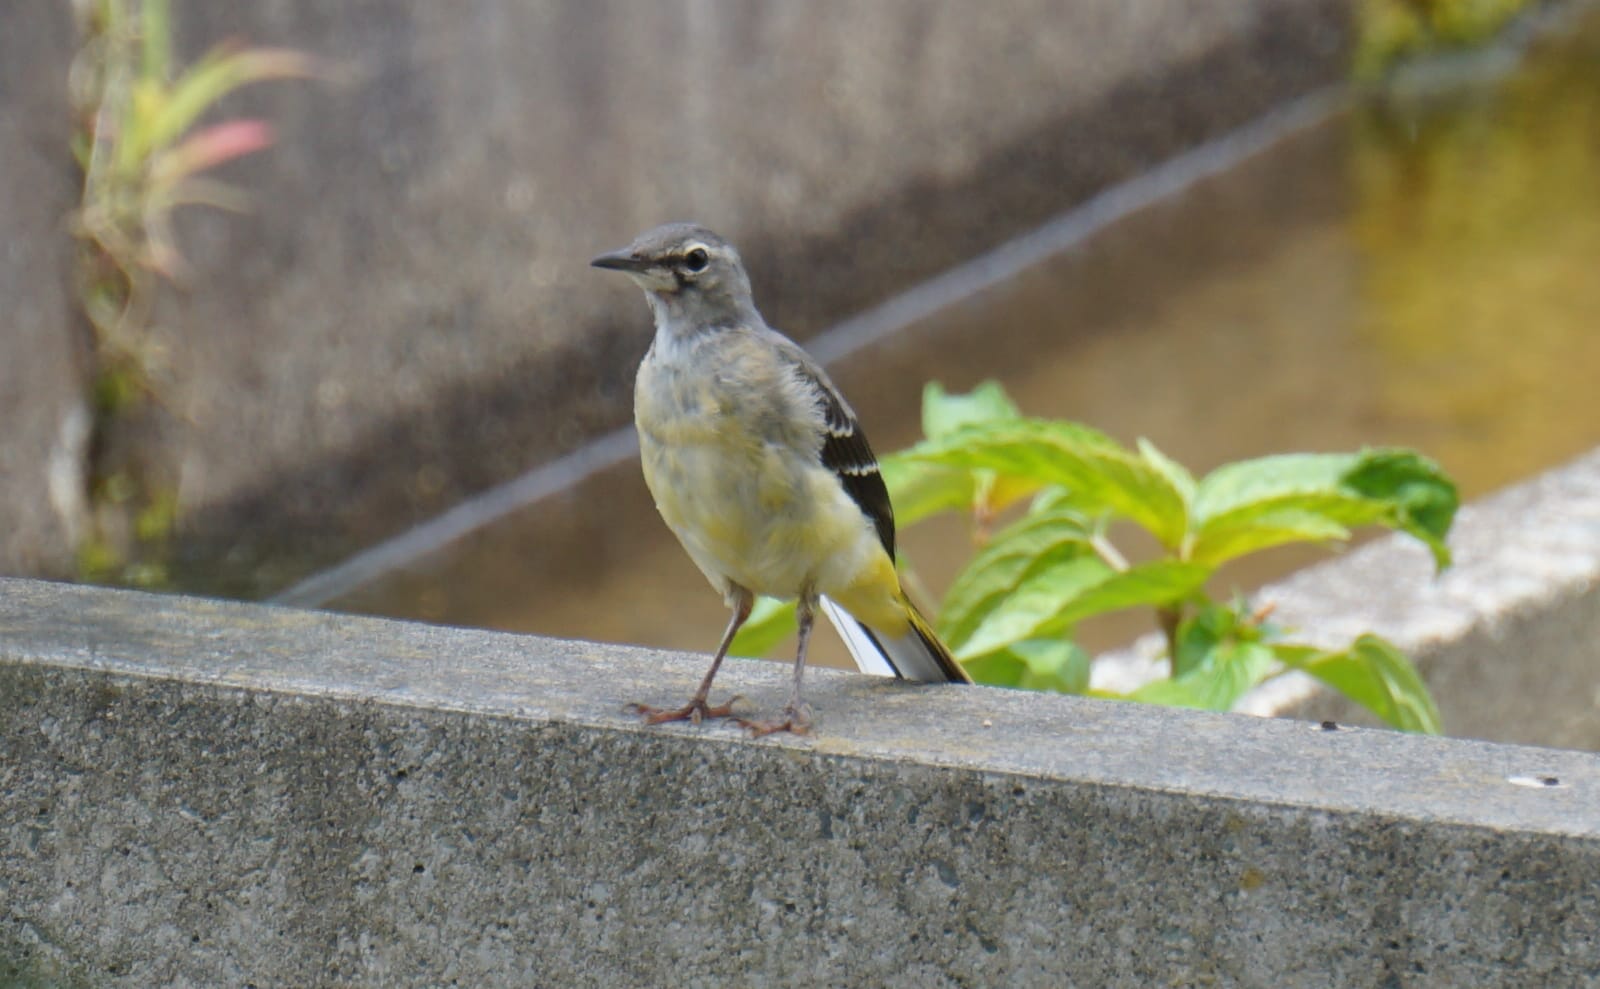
{"x": 697, "y": 709}
{"x": 797, "y": 713}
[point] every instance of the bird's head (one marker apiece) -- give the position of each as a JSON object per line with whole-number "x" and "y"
{"x": 684, "y": 269}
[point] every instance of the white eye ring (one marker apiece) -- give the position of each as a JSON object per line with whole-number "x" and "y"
{"x": 696, "y": 258}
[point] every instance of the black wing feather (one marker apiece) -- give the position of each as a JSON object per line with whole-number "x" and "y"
{"x": 845, "y": 450}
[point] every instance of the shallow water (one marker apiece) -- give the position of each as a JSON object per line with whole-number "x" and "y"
{"x": 1418, "y": 270}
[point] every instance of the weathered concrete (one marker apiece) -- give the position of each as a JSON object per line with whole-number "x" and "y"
{"x": 406, "y": 316}
{"x": 41, "y": 399}
{"x": 1508, "y": 638}
{"x": 196, "y": 793}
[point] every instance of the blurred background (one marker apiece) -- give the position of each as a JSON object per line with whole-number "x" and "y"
{"x": 1232, "y": 226}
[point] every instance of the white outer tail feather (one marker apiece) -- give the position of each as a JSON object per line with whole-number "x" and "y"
{"x": 879, "y": 655}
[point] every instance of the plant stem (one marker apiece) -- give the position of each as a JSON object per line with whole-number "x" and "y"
{"x": 1169, "y": 619}
{"x": 1107, "y": 552}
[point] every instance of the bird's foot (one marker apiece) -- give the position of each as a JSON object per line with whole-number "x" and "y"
{"x": 796, "y": 719}
{"x": 697, "y": 710}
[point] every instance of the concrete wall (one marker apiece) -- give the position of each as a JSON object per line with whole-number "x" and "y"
{"x": 406, "y": 316}
{"x": 196, "y": 793}
{"x": 40, "y": 396}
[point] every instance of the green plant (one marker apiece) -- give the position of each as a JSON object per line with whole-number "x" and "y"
{"x": 138, "y": 147}
{"x": 1010, "y": 614}
{"x": 142, "y": 157}
{"x": 1392, "y": 31}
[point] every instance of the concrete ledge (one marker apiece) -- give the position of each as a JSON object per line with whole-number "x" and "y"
{"x": 198, "y": 793}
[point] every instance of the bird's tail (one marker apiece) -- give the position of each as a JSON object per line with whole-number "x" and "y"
{"x": 915, "y": 655}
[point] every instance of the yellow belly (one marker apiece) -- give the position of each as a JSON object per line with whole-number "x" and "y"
{"x": 737, "y": 476}
{"x": 760, "y": 517}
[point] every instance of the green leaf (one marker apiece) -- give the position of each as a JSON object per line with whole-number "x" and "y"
{"x": 919, "y": 490}
{"x": 1374, "y": 674}
{"x": 1225, "y": 674}
{"x": 217, "y": 74}
{"x": 1159, "y": 583}
{"x": 1316, "y": 496}
{"x": 1421, "y": 498}
{"x": 1040, "y": 575}
{"x": 131, "y": 143}
{"x": 1179, "y": 475}
{"x": 1051, "y": 599}
{"x": 1059, "y": 665}
{"x": 1102, "y": 475}
{"x": 944, "y": 413}
{"x": 1053, "y": 498}
{"x": 1268, "y": 483}
{"x": 770, "y": 622}
{"x": 1202, "y": 633}
{"x": 155, "y": 40}
{"x": 1229, "y": 672}
{"x": 1015, "y": 558}
{"x": 998, "y": 669}
{"x": 1242, "y": 533}
{"x": 1032, "y": 608}
{"x": 993, "y": 493}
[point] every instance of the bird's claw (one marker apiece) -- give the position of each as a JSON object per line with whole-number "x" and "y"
{"x": 796, "y": 720}
{"x": 696, "y": 711}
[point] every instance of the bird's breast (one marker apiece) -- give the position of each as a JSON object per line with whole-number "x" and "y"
{"x": 740, "y": 481}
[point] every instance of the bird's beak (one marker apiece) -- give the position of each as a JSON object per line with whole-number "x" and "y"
{"x": 621, "y": 260}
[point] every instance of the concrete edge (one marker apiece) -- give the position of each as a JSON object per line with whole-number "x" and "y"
{"x": 218, "y": 646}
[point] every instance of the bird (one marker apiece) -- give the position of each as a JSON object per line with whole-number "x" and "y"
{"x": 759, "y": 466}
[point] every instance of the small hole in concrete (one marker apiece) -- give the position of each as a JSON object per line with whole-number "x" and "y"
{"x": 1328, "y": 726}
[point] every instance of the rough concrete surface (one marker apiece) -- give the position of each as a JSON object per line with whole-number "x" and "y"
{"x": 406, "y": 316}
{"x": 40, "y": 394}
{"x": 197, "y": 793}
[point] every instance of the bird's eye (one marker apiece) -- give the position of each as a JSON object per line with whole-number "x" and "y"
{"x": 697, "y": 259}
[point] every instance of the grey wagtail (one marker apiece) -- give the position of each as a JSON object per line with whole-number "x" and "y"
{"x": 759, "y": 468}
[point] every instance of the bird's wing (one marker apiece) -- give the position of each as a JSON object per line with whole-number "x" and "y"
{"x": 845, "y": 450}
{"x": 916, "y": 654}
